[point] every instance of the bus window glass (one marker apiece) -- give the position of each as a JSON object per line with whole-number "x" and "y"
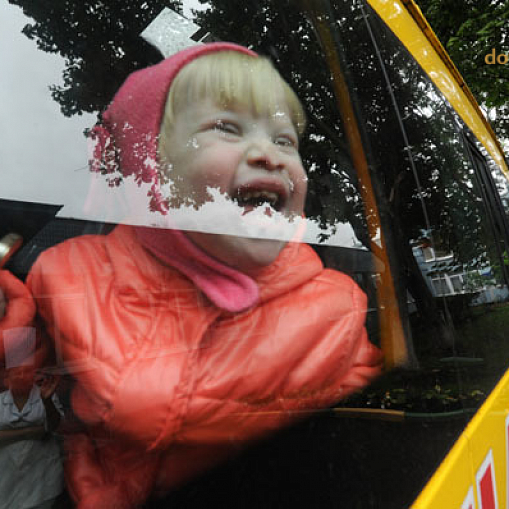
{"x": 443, "y": 231}
{"x": 461, "y": 214}
{"x": 448, "y": 237}
{"x": 396, "y": 200}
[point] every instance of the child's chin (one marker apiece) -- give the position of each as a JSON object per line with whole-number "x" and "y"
{"x": 242, "y": 253}
{"x": 255, "y": 254}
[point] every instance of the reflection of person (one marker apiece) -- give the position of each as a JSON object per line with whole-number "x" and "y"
{"x": 196, "y": 342}
{"x": 30, "y": 462}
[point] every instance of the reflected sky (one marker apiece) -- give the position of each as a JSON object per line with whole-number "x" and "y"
{"x": 42, "y": 153}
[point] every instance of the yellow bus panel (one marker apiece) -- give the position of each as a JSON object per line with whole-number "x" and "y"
{"x": 474, "y": 475}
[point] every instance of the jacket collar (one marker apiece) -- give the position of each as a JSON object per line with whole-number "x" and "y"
{"x": 137, "y": 271}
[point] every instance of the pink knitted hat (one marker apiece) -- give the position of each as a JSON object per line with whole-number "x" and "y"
{"x": 126, "y": 143}
{"x": 126, "y": 139}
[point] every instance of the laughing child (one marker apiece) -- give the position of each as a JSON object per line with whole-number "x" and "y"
{"x": 192, "y": 341}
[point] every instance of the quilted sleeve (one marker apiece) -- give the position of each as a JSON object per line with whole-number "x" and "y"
{"x": 336, "y": 356}
{"x": 366, "y": 366}
{"x": 360, "y": 359}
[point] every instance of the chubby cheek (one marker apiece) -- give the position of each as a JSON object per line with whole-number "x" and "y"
{"x": 192, "y": 186}
{"x": 217, "y": 173}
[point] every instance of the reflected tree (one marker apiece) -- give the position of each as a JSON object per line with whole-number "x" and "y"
{"x": 433, "y": 188}
{"x": 470, "y": 30}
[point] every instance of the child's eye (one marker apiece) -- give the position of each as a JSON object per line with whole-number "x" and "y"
{"x": 285, "y": 140}
{"x": 226, "y": 127}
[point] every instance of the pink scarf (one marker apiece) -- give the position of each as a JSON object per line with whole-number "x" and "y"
{"x": 226, "y": 287}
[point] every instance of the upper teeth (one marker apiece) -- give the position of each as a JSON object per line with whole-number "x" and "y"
{"x": 267, "y": 195}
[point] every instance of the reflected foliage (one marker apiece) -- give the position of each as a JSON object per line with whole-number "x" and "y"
{"x": 434, "y": 190}
{"x": 469, "y": 30}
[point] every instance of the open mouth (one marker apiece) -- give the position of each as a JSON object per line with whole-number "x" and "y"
{"x": 250, "y": 197}
{"x": 253, "y": 199}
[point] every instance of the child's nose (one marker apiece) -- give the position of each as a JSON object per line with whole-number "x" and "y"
{"x": 262, "y": 154}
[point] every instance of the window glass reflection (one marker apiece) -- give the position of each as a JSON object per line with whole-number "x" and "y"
{"x": 396, "y": 200}
{"x": 443, "y": 202}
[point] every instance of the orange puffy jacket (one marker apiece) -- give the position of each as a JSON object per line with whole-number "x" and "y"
{"x": 167, "y": 382}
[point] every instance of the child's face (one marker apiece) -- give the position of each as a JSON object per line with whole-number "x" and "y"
{"x": 252, "y": 159}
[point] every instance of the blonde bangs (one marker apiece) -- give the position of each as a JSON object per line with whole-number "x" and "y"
{"x": 230, "y": 78}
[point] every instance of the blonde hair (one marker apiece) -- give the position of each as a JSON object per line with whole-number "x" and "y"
{"x": 232, "y": 78}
